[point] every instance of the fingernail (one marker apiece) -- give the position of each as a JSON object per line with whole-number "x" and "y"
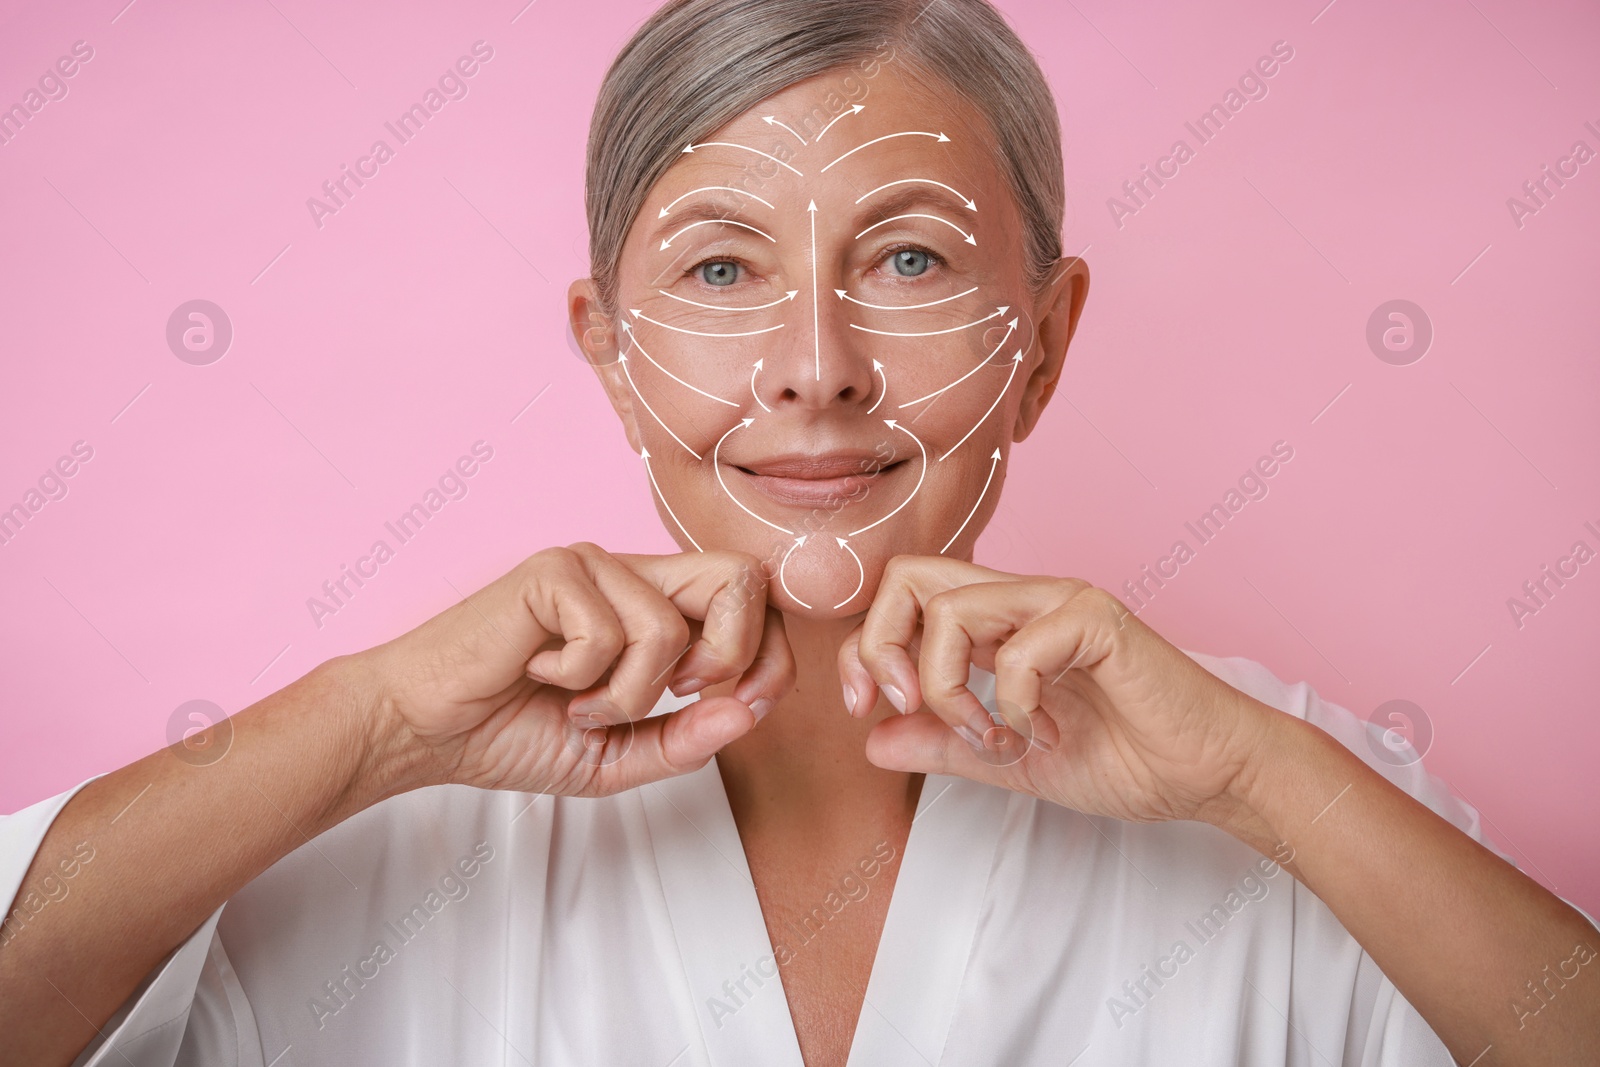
{"x": 970, "y": 736}
{"x": 536, "y": 676}
{"x": 849, "y": 700}
{"x": 897, "y": 698}
{"x": 761, "y": 707}
{"x": 687, "y": 685}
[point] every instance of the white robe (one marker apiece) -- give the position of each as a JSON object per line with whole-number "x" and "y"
{"x": 453, "y": 925}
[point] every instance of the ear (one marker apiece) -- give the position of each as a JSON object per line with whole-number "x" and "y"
{"x": 1057, "y": 317}
{"x": 599, "y": 342}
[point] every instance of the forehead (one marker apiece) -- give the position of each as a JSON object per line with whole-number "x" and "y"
{"x": 896, "y": 134}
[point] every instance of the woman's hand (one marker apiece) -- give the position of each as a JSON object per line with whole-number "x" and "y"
{"x": 541, "y": 681}
{"x": 1122, "y": 722}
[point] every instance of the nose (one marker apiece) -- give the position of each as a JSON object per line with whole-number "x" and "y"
{"x": 819, "y": 362}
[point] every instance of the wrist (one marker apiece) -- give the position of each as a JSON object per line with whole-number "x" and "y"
{"x": 1278, "y": 757}
{"x": 389, "y": 759}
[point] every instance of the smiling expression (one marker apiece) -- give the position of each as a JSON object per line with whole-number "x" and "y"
{"x": 824, "y": 350}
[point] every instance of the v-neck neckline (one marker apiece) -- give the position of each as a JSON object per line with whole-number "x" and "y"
{"x": 922, "y": 951}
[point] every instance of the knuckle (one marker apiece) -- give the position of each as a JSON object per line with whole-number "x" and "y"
{"x": 1010, "y": 658}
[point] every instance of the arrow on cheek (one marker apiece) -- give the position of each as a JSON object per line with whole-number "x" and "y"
{"x": 645, "y": 455}
{"x": 1016, "y": 361}
{"x": 994, "y": 461}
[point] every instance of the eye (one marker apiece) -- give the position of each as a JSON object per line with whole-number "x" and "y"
{"x": 718, "y": 272}
{"x": 911, "y": 261}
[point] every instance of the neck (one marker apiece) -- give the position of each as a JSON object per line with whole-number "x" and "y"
{"x": 804, "y": 767}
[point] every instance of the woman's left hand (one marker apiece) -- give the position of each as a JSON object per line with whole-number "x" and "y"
{"x": 1122, "y": 722}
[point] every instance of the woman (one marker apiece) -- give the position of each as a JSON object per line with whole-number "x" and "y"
{"x": 827, "y": 296}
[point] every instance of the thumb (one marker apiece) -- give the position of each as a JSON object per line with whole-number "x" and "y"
{"x": 663, "y": 746}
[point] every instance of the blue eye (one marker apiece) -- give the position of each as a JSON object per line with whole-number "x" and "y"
{"x": 910, "y": 262}
{"x": 719, "y": 272}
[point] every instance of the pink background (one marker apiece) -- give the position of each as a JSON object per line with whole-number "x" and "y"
{"x": 426, "y": 315}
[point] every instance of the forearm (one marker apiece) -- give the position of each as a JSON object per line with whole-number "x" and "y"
{"x": 1464, "y": 935}
{"x": 171, "y": 841}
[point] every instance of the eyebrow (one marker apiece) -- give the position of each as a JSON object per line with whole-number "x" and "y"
{"x": 880, "y": 210}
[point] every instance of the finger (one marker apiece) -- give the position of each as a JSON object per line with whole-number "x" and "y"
{"x": 772, "y": 673}
{"x": 923, "y": 743}
{"x": 561, "y": 594}
{"x": 727, "y": 592}
{"x": 653, "y": 636}
{"x": 632, "y": 754}
{"x": 860, "y": 691}
{"x": 982, "y": 615}
{"x": 887, "y": 647}
{"x": 1080, "y": 633}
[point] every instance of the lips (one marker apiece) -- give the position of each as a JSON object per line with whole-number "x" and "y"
{"x": 816, "y": 479}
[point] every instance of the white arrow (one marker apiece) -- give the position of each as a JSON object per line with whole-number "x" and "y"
{"x": 771, "y": 120}
{"x": 994, "y": 462}
{"x": 926, "y": 181}
{"x": 933, "y": 333}
{"x": 970, "y": 239}
{"x": 696, "y": 333}
{"x": 895, "y": 426}
{"x": 753, "y": 392}
{"x": 856, "y": 110}
{"x": 798, "y": 541}
{"x": 816, "y": 310}
{"x": 879, "y": 368}
{"x": 941, "y": 138}
{"x": 713, "y": 188}
{"x": 714, "y": 222}
{"x": 1012, "y": 325}
{"x": 747, "y": 148}
{"x": 859, "y": 569}
{"x": 645, "y": 454}
{"x": 628, "y": 329}
{"x": 715, "y": 307}
{"x": 715, "y": 463}
{"x": 1016, "y": 361}
{"x": 903, "y": 307}
{"x": 622, "y": 358}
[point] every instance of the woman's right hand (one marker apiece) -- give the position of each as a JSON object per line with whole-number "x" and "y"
{"x": 541, "y": 680}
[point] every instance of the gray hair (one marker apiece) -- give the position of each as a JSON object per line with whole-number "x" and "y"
{"x": 695, "y": 65}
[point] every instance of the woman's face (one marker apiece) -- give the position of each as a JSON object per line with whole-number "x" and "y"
{"x": 823, "y": 351}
